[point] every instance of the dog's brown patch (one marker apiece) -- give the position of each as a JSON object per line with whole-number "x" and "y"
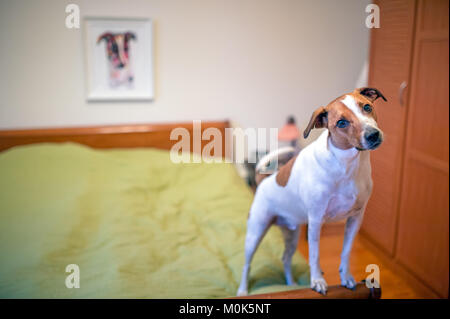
{"x": 284, "y": 173}
{"x": 318, "y": 120}
{"x": 361, "y": 101}
{"x": 348, "y": 137}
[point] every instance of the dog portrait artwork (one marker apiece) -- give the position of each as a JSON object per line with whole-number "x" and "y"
{"x": 329, "y": 180}
{"x": 119, "y": 57}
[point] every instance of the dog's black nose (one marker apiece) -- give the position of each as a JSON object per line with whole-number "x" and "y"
{"x": 121, "y": 65}
{"x": 372, "y": 135}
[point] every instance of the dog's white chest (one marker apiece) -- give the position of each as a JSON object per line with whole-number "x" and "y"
{"x": 342, "y": 200}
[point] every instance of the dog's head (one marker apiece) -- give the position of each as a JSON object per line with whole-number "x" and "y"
{"x": 351, "y": 120}
{"x": 117, "y": 47}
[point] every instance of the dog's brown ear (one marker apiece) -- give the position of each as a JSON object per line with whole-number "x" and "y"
{"x": 318, "y": 120}
{"x": 371, "y": 93}
{"x": 105, "y": 36}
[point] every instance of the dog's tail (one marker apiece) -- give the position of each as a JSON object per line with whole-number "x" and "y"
{"x": 267, "y": 166}
{"x": 267, "y": 159}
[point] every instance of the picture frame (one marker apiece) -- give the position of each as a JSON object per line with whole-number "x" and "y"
{"x": 118, "y": 59}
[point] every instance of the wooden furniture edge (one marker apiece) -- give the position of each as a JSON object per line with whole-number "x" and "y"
{"x": 106, "y": 129}
{"x": 361, "y": 291}
{"x": 109, "y": 136}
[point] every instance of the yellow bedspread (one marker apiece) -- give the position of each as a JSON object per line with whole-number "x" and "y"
{"x": 137, "y": 225}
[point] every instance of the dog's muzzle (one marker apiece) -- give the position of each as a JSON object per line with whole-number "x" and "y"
{"x": 372, "y": 138}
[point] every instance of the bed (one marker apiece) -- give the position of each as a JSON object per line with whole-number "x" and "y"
{"x": 109, "y": 200}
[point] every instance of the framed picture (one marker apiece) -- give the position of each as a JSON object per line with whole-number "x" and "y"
{"x": 119, "y": 59}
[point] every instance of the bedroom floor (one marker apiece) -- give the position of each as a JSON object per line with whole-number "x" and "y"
{"x": 393, "y": 286}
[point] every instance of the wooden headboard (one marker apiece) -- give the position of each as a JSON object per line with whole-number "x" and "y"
{"x": 113, "y": 136}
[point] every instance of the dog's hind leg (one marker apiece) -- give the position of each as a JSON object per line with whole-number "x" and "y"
{"x": 290, "y": 243}
{"x": 256, "y": 229}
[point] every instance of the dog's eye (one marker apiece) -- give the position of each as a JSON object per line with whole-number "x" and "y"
{"x": 367, "y": 108}
{"x": 342, "y": 123}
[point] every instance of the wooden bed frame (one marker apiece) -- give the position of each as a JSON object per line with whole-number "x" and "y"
{"x": 112, "y": 136}
{"x": 158, "y": 136}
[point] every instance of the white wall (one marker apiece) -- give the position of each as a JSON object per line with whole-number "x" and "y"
{"x": 253, "y": 61}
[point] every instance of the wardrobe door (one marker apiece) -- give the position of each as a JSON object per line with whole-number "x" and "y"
{"x": 423, "y": 240}
{"x": 390, "y": 57}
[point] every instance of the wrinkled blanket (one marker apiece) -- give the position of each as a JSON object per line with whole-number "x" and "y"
{"x": 136, "y": 225}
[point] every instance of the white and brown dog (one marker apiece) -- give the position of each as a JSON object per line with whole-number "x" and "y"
{"x": 329, "y": 180}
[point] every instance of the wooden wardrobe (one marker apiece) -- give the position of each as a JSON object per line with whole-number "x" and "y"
{"x": 407, "y": 217}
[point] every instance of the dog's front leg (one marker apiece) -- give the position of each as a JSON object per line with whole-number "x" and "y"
{"x": 318, "y": 283}
{"x": 351, "y": 229}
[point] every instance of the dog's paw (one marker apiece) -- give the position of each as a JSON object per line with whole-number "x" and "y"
{"x": 242, "y": 293}
{"x": 348, "y": 281}
{"x": 319, "y": 285}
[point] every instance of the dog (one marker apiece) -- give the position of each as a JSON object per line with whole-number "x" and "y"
{"x": 117, "y": 51}
{"x": 328, "y": 180}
